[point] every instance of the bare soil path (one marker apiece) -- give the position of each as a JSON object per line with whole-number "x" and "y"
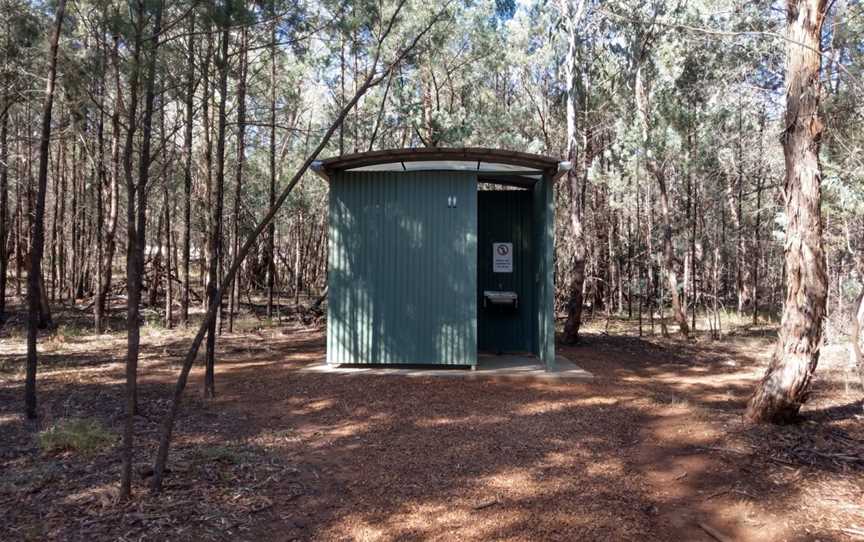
{"x": 653, "y": 449}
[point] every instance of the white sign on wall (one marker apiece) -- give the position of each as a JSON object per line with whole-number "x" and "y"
{"x": 502, "y": 257}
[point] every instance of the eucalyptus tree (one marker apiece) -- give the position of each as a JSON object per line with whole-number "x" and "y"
{"x": 34, "y": 275}
{"x": 224, "y": 18}
{"x": 577, "y": 85}
{"x": 786, "y": 383}
{"x": 136, "y": 214}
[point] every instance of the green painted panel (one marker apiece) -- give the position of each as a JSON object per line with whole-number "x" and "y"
{"x": 402, "y": 268}
{"x": 544, "y": 232}
{"x": 506, "y": 217}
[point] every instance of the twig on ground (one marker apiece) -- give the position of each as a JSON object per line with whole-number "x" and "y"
{"x": 486, "y": 504}
{"x": 717, "y": 535}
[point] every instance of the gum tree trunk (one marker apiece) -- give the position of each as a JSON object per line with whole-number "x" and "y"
{"x": 669, "y": 251}
{"x": 4, "y": 204}
{"x": 270, "y": 243}
{"x": 786, "y": 384}
{"x": 110, "y": 228}
{"x": 35, "y": 286}
{"x": 574, "y": 12}
{"x": 215, "y": 241}
{"x": 187, "y": 171}
{"x": 234, "y": 294}
{"x": 136, "y": 229}
{"x": 856, "y": 338}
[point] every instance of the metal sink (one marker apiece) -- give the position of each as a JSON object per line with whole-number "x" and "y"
{"x": 500, "y": 299}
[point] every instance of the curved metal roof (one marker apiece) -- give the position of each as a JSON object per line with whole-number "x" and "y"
{"x": 479, "y": 159}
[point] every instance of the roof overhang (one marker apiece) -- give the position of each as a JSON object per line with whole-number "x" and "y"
{"x": 493, "y": 165}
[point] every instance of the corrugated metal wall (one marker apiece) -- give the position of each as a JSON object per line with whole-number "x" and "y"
{"x": 544, "y": 234}
{"x": 506, "y": 217}
{"x": 402, "y": 268}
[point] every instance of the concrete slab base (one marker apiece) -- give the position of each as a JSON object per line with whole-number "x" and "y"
{"x": 524, "y": 367}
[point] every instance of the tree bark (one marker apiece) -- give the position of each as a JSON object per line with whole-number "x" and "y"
{"x": 669, "y": 259}
{"x": 99, "y": 186}
{"x": 215, "y": 241}
{"x": 35, "y": 285}
{"x": 856, "y": 338}
{"x": 136, "y": 227}
{"x": 786, "y": 384}
{"x": 207, "y": 126}
{"x": 573, "y": 13}
{"x": 234, "y": 297}
{"x": 757, "y": 230}
{"x": 187, "y": 171}
{"x": 271, "y": 228}
{"x": 110, "y": 230}
{"x": 169, "y": 290}
{"x": 4, "y": 204}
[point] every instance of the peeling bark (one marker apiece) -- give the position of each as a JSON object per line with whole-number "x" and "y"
{"x": 576, "y": 179}
{"x": 786, "y": 384}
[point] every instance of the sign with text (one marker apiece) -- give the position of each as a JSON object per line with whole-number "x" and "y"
{"x": 502, "y": 257}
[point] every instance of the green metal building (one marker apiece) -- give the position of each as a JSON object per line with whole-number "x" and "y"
{"x": 438, "y": 254}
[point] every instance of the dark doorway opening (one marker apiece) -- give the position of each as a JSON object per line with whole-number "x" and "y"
{"x": 504, "y": 222}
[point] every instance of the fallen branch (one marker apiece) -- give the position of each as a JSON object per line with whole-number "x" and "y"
{"x": 486, "y": 504}
{"x": 715, "y": 534}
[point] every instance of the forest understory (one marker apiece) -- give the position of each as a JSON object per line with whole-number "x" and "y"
{"x": 654, "y": 448}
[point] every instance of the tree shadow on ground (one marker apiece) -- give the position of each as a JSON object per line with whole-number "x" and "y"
{"x": 649, "y": 450}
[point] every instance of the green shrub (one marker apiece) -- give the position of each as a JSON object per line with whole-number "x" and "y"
{"x": 76, "y": 435}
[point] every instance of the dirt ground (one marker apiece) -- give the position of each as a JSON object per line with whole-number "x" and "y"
{"x": 653, "y": 449}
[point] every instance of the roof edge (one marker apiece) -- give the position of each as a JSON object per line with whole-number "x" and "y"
{"x": 469, "y": 154}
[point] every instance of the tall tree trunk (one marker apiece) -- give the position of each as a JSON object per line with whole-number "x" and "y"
{"x": 643, "y": 105}
{"x": 187, "y": 171}
{"x": 110, "y": 241}
{"x": 693, "y": 191}
{"x": 156, "y": 264}
{"x": 786, "y": 384}
{"x": 57, "y": 283}
{"x": 4, "y": 204}
{"x": 669, "y": 260}
{"x": 234, "y": 298}
{"x": 857, "y": 336}
{"x": 215, "y": 240}
{"x": 131, "y": 399}
{"x": 19, "y": 219}
{"x": 298, "y": 256}
{"x": 35, "y": 286}
{"x": 169, "y": 290}
{"x": 73, "y": 234}
{"x": 757, "y": 231}
{"x": 573, "y": 13}
{"x": 55, "y": 225}
{"x": 271, "y": 227}
{"x": 136, "y": 227}
{"x": 207, "y": 125}
{"x": 99, "y": 186}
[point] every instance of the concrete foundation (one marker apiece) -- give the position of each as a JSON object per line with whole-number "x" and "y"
{"x": 515, "y": 366}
